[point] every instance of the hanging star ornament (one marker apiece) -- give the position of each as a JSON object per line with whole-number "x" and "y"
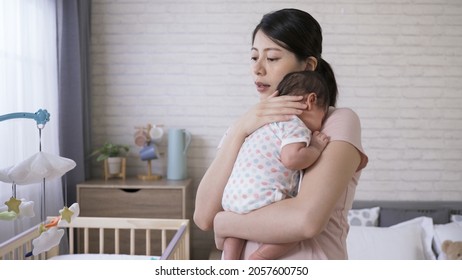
{"x": 66, "y": 214}
{"x": 26, "y": 209}
{"x": 13, "y": 205}
{"x": 69, "y": 214}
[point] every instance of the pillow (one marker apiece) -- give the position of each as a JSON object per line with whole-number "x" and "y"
{"x": 450, "y": 231}
{"x": 410, "y": 240}
{"x": 456, "y": 218}
{"x": 364, "y": 217}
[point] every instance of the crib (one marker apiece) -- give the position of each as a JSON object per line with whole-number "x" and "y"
{"x": 171, "y": 236}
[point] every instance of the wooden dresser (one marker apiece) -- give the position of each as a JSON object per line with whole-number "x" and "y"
{"x": 132, "y": 198}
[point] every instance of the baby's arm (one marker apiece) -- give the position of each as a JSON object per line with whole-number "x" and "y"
{"x": 297, "y": 156}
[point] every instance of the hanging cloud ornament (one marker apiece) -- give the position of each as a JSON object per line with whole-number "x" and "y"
{"x": 39, "y": 166}
{"x": 47, "y": 240}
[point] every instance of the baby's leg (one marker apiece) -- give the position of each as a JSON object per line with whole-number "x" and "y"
{"x": 272, "y": 251}
{"x": 232, "y": 248}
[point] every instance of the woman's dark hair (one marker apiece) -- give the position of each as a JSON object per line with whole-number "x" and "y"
{"x": 298, "y": 32}
{"x": 303, "y": 83}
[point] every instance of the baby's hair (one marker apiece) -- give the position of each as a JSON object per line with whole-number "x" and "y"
{"x": 305, "y": 82}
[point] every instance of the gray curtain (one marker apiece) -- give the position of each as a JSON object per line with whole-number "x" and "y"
{"x": 73, "y": 21}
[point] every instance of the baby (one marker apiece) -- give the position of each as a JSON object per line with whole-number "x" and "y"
{"x": 269, "y": 163}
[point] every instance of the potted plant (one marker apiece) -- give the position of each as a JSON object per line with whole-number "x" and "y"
{"x": 113, "y": 156}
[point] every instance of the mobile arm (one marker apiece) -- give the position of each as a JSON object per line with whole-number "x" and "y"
{"x": 41, "y": 116}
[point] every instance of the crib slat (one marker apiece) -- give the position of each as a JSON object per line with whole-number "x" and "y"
{"x": 71, "y": 241}
{"x": 132, "y": 241}
{"x": 28, "y": 246}
{"x": 148, "y": 242}
{"x": 85, "y": 240}
{"x": 117, "y": 241}
{"x": 164, "y": 240}
{"x": 101, "y": 240}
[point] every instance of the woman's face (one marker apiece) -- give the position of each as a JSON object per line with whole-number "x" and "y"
{"x": 270, "y": 63}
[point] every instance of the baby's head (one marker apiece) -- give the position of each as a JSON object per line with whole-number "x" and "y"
{"x": 312, "y": 86}
{"x": 303, "y": 83}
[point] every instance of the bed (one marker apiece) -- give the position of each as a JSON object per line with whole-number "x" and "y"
{"x": 110, "y": 238}
{"x": 413, "y": 230}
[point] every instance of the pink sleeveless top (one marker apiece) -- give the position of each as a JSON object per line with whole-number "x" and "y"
{"x": 342, "y": 124}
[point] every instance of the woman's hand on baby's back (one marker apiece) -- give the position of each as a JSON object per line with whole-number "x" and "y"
{"x": 272, "y": 109}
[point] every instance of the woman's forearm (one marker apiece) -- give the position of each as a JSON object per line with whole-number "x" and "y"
{"x": 210, "y": 189}
{"x": 305, "y": 215}
{"x": 266, "y": 225}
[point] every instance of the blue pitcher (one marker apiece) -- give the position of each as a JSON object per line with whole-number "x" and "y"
{"x": 178, "y": 144}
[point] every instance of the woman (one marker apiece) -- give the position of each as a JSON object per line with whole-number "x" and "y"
{"x": 286, "y": 41}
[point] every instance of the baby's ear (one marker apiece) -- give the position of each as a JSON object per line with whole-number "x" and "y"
{"x": 311, "y": 100}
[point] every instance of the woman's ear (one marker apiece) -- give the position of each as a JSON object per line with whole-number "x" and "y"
{"x": 311, "y": 63}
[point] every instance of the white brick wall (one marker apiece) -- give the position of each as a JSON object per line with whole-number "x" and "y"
{"x": 185, "y": 63}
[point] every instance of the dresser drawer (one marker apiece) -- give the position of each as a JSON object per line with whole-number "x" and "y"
{"x": 132, "y": 203}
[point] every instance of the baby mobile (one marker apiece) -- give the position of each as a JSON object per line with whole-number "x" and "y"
{"x": 38, "y": 168}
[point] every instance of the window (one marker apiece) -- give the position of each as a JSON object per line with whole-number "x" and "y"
{"x": 28, "y": 82}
